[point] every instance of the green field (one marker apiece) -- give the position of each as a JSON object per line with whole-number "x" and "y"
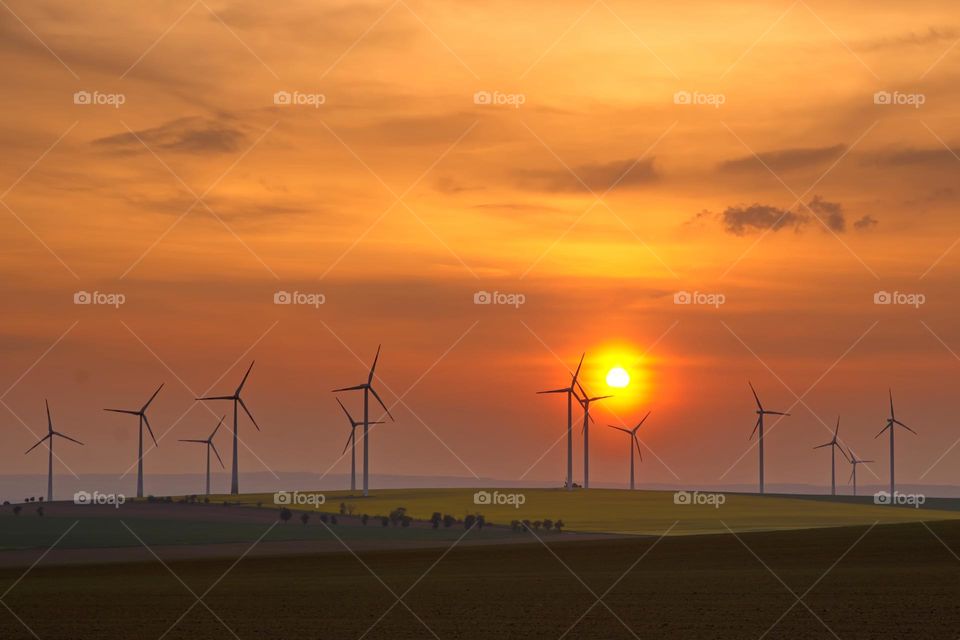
{"x": 630, "y": 512}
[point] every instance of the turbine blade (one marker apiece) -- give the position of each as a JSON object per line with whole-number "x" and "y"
{"x": 247, "y": 411}
{"x": 216, "y": 453}
{"x": 837, "y": 430}
{"x": 349, "y": 439}
{"x": 755, "y": 427}
{"x": 49, "y": 419}
{"x": 775, "y": 413}
{"x": 554, "y": 391}
{"x": 373, "y": 367}
{"x": 626, "y": 431}
{"x": 637, "y": 442}
{"x": 200, "y": 441}
{"x": 594, "y": 399}
{"x": 755, "y": 396}
{"x": 133, "y": 413}
{"x": 577, "y": 372}
{"x": 39, "y": 442}
{"x": 640, "y": 424}
{"x": 356, "y": 388}
{"x": 890, "y": 391}
{"x": 823, "y": 445}
{"x": 150, "y": 430}
{"x": 850, "y": 479}
{"x": 905, "y": 427}
{"x": 882, "y": 430}
{"x": 349, "y": 417}
{"x": 151, "y": 398}
{"x": 216, "y": 398}
{"x": 377, "y": 396}
{"x": 218, "y": 427}
{"x": 57, "y": 433}
{"x": 244, "y": 381}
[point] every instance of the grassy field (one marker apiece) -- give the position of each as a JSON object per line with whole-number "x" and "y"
{"x": 632, "y": 512}
{"x": 895, "y": 581}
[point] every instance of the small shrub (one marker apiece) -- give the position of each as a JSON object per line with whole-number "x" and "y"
{"x": 558, "y": 525}
{"x": 285, "y": 514}
{"x": 548, "y": 524}
{"x": 481, "y": 521}
{"x": 469, "y": 521}
{"x": 40, "y": 511}
{"x": 17, "y": 509}
{"x": 385, "y": 521}
{"x": 363, "y": 519}
{"x": 304, "y": 518}
{"x": 323, "y": 518}
{"x": 449, "y": 521}
{"x": 405, "y": 521}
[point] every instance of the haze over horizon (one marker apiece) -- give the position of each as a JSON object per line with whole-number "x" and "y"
{"x": 590, "y": 187}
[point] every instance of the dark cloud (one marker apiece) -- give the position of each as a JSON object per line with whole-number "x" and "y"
{"x": 618, "y": 174}
{"x": 741, "y": 220}
{"x": 784, "y": 159}
{"x": 186, "y": 135}
{"x": 831, "y": 213}
{"x": 929, "y": 157}
{"x": 930, "y": 36}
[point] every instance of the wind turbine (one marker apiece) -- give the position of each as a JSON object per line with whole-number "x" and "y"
{"x": 585, "y": 403}
{"x": 50, "y": 434}
{"x": 892, "y": 424}
{"x": 854, "y": 461}
{"x": 760, "y": 413}
{"x": 833, "y": 457}
{"x": 142, "y": 416}
{"x": 352, "y": 443}
{"x": 633, "y": 437}
{"x": 210, "y": 445}
{"x": 367, "y": 388}
{"x": 571, "y": 394}
{"x": 237, "y": 400}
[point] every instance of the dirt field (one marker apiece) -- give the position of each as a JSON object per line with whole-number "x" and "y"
{"x": 892, "y": 581}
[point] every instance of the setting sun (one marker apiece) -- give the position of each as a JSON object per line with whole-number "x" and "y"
{"x": 618, "y": 378}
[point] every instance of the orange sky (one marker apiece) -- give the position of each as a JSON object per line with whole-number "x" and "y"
{"x": 598, "y": 198}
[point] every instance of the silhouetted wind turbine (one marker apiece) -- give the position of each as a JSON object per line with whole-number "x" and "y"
{"x": 237, "y": 400}
{"x": 210, "y": 445}
{"x": 367, "y": 388}
{"x": 633, "y": 441}
{"x": 571, "y": 394}
{"x": 854, "y": 461}
{"x": 141, "y": 414}
{"x": 50, "y": 434}
{"x": 585, "y": 402}
{"x": 352, "y": 443}
{"x": 833, "y": 457}
{"x": 760, "y": 413}
{"x": 892, "y": 424}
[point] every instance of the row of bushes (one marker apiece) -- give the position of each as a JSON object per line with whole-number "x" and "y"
{"x": 546, "y": 525}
